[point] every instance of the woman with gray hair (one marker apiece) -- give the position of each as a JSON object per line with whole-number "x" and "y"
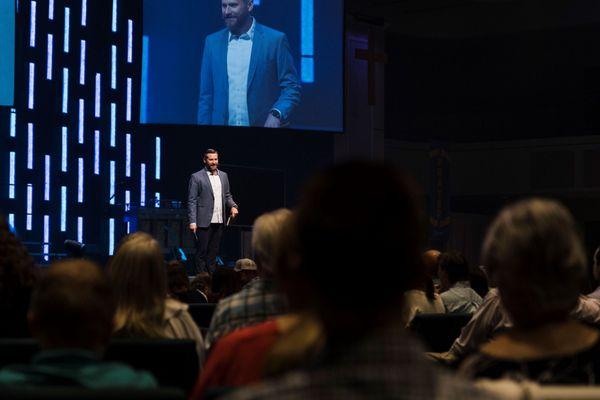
{"x": 535, "y": 255}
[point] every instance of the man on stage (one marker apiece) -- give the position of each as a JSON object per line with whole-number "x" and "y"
{"x": 248, "y": 76}
{"x": 209, "y": 199}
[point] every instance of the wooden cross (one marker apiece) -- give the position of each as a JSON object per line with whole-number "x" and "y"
{"x": 371, "y": 57}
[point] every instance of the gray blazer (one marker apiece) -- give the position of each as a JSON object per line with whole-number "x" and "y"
{"x": 201, "y": 198}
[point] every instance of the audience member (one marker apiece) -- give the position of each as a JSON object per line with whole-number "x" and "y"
{"x": 71, "y": 315}
{"x": 259, "y": 300}
{"x": 179, "y": 284}
{"x": 247, "y": 270}
{"x": 139, "y": 280}
{"x": 201, "y": 285}
{"x": 596, "y": 273}
{"x": 17, "y": 277}
{"x": 224, "y": 283}
{"x": 457, "y": 295}
{"x": 537, "y": 259}
{"x": 335, "y": 235}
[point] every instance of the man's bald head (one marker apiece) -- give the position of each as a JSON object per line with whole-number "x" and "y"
{"x": 72, "y": 307}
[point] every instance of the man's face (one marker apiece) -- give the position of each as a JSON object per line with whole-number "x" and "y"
{"x": 236, "y": 13}
{"x": 211, "y": 160}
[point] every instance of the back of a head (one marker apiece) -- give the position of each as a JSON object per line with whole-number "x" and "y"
{"x": 177, "y": 278}
{"x": 358, "y": 238}
{"x": 72, "y": 307}
{"x": 138, "y": 276}
{"x": 17, "y": 268}
{"x": 534, "y": 253}
{"x": 266, "y": 233}
{"x": 455, "y": 265}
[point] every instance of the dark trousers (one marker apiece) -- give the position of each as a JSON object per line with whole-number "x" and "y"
{"x": 208, "y": 241}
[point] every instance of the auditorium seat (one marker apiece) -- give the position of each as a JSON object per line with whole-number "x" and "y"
{"x": 202, "y": 314}
{"x": 438, "y": 331}
{"x": 69, "y": 393}
{"x": 17, "y": 351}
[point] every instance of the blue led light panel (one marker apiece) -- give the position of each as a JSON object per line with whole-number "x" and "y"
{"x": 7, "y": 50}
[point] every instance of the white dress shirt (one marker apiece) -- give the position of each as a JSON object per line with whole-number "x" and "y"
{"x": 239, "y": 51}
{"x": 215, "y": 183}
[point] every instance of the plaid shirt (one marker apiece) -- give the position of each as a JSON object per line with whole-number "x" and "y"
{"x": 388, "y": 365}
{"x": 255, "y": 303}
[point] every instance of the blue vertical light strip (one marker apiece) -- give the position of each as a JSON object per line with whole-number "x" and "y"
{"x": 30, "y": 146}
{"x": 80, "y": 229}
{"x": 46, "y": 178}
{"x": 65, "y": 91}
{"x": 46, "y": 244}
{"x": 82, "y": 48}
{"x": 67, "y": 29}
{"x": 13, "y": 122}
{"x": 129, "y": 41}
{"x": 31, "y": 85}
{"x": 113, "y": 125}
{"x": 80, "y": 180}
{"x": 83, "y": 12}
{"x": 97, "y": 152}
{"x": 81, "y": 121}
{"x": 127, "y": 155}
{"x": 97, "y": 96}
{"x": 143, "y": 185}
{"x": 157, "y": 200}
{"x": 114, "y": 15}
{"x": 113, "y": 67}
{"x": 11, "y": 175}
{"x": 11, "y": 220}
{"x": 111, "y": 236}
{"x": 112, "y": 183}
{"x": 144, "y": 95}
{"x": 49, "y": 52}
{"x": 307, "y": 65}
{"x": 29, "y": 221}
{"x": 63, "y": 208}
{"x": 158, "y": 157}
{"x": 307, "y": 41}
{"x": 127, "y": 200}
{"x": 64, "y": 150}
{"x": 128, "y": 111}
{"x": 32, "y": 23}
{"x": 51, "y": 10}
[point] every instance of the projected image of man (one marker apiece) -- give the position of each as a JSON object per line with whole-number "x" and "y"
{"x": 248, "y": 77}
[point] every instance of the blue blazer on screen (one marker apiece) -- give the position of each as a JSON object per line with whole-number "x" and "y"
{"x": 272, "y": 78}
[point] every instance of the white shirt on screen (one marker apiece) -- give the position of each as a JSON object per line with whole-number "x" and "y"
{"x": 239, "y": 51}
{"x": 215, "y": 183}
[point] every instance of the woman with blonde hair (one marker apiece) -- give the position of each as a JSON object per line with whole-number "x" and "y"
{"x": 138, "y": 276}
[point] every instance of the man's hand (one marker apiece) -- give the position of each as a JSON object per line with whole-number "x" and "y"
{"x": 272, "y": 122}
{"x": 193, "y": 227}
{"x": 234, "y": 212}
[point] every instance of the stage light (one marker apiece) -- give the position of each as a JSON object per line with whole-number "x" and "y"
{"x": 11, "y": 175}
{"x": 97, "y": 152}
{"x": 112, "y": 182}
{"x": 129, "y": 41}
{"x": 114, "y": 15}
{"x": 29, "y": 206}
{"x": 81, "y": 120}
{"x": 30, "y": 146}
{"x": 80, "y": 180}
{"x": 80, "y": 229}
{"x": 67, "y": 29}
{"x": 82, "y": 48}
{"x": 65, "y": 91}
{"x": 47, "y": 178}
{"x": 127, "y": 155}
{"x": 97, "y": 96}
{"x": 31, "y": 85}
{"x": 32, "y": 23}
{"x": 64, "y": 150}
{"x": 113, "y": 125}
{"x": 158, "y": 157}
{"x": 13, "y": 122}
{"x": 111, "y": 236}
{"x": 113, "y": 67}
{"x": 63, "y": 208}
{"x": 143, "y": 185}
{"x": 46, "y": 244}
{"x": 128, "y": 113}
{"x": 49, "y": 52}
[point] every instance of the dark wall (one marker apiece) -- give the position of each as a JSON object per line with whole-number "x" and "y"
{"x": 523, "y": 85}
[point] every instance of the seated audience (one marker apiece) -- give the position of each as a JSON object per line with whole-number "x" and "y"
{"x": 179, "y": 285}
{"x": 422, "y": 298}
{"x": 259, "y": 299}
{"x": 71, "y": 315}
{"x": 456, "y": 292}
{"x": 17, "y": 277}
{"x": 224, "y": 283}
{"x": 333, "y": 237}
{"x": 246, "y": 269}
{"x": 430, "y": 261}
{"x": 201, "y": 285}
{"x": 537, "y": 259}
{"x": 596, "y": 272}
{"x": 139, "y": 280}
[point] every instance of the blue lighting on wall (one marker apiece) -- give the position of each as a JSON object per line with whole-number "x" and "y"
{"x": 65, "y": 91}
{"x": 307, "y": 38}
{"x": 64, "y": 150}
{"x": 80, "y": 120}
{"x": 144, "y": 95}
{"x": 30, "y": 146}
{"x": 82, "y": 63}
{"x": 80, "y": 229}
{"x": 143, "y": 185}
{"x": 127, "y": 200}
{"x": 67, "y": 29}
{"x": 11, "y": 175}
{"x": 111, "y": 236}
{"x": 50, "y": 50}
{"x": 83, "y": 12}
{"x": 97, "y": 152}
{"x": 51, "y": 9}
{"x": 46, "y": 244}
{"x": 97, "y": 96}
{"x": 114, "y": 15}
{"x": 158, "y": 155}
{"x": 80, "y": 180}
{"x": 31, "y": 85}
{"x": 113, "y": 125}
{"x": 129, "y": 41}
{"x": 63, "y": 208}
{"x": 307, "y": 69}
{"x": 112, "y": 183}
{"x": 113, "y": 67}
{"x": 32, "y": 24}
{"x": 128, "y": 155}
{"x": 13, "y": 122}
{"x": 128, "y": 113}
{"x": 157, "y": 200}
{"x": 47, "y": 177}
{"x": 11, "y": 222}
{"x": 29, "y": 222}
